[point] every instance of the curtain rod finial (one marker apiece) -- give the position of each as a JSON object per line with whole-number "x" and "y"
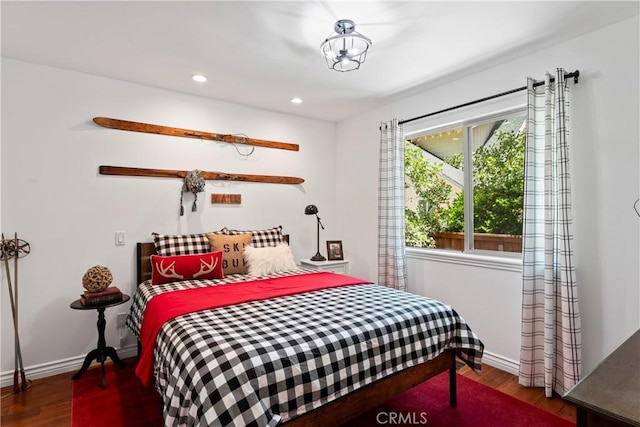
{"x": 576, "y": 74}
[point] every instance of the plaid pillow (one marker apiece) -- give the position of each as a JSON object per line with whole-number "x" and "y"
{"x": 181, "y": 244}
{"x": 260, "y": 238}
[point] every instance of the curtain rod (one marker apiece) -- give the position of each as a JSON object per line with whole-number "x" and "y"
{"x": 575, "y": 76}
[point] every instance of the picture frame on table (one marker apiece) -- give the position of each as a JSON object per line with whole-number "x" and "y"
{"x": 334, "y": 250}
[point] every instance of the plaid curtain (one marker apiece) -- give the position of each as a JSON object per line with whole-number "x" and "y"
{"x": 550, "y": 353}
{"x": 392, "y": 270}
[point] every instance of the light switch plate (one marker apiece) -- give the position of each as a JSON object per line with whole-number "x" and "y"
{"x": 120, "y": 238}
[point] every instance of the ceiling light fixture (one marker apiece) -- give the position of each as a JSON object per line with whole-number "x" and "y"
{"x": 296, "y": 100}
{"x": 199, "y": 78}
{"x": 347, "y": 49}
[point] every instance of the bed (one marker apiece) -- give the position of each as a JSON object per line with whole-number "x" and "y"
{"x": 319, "y": 356}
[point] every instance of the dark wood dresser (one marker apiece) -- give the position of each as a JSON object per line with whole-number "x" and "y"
{"x": 610, "y": 395}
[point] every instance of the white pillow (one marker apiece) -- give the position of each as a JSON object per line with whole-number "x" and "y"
{"x": 270, "y": 259}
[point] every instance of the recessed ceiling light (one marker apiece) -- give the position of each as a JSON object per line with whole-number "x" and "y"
{"x": 296, "y": 100}
{"x": 198, "y": 78}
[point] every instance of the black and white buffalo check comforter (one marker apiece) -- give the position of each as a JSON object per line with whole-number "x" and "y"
{"x": 263, "y": 362}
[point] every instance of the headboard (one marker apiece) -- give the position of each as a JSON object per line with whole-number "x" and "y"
{"x": 144, "y": 250}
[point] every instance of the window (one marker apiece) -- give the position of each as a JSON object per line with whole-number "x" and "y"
{"x": 465, "y": 185}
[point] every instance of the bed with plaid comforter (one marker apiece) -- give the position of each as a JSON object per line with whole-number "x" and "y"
{"x": 263, "y": 362}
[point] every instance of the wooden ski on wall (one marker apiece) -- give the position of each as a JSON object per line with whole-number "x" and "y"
{"x": 188, "y": 133}
{"x": 210, "y": 176}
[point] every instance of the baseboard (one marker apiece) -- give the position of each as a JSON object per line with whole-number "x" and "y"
{"x": 504, "y": 364}
{"x": 74, "y": 364}
{"x": 61, "y": 366}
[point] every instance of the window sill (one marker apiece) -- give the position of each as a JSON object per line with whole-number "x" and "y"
{"x": 507, "y": 263}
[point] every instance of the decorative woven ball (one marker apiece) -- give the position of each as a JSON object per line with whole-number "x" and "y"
{"x": 97, "y": 278}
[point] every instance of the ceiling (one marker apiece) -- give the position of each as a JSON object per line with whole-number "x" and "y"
{"x": 263, "y": 53}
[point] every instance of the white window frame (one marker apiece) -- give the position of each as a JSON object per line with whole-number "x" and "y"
{"x": 497, "y": 259}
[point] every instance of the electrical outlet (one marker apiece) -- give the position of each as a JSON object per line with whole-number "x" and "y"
{"x": 123, "y": 339}
{"x": 121, "y": 320}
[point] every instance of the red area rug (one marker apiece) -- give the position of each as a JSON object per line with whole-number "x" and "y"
{"x": 478, "y": 406}
{"x": 126, "y": 403}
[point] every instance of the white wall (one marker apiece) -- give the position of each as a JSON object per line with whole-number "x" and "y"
{"x": 605, "y": 160}
{"x": 54, "y": 198}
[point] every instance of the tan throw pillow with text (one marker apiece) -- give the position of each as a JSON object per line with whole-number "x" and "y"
{"x": 232, "y": 248}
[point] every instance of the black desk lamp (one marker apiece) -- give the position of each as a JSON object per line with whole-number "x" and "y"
{"x": 313, "y": 210}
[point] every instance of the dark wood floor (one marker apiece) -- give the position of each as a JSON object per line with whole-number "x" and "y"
{"x": 48, "y": 401}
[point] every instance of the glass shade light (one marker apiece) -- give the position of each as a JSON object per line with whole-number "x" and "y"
{"x": 346, "y": 49}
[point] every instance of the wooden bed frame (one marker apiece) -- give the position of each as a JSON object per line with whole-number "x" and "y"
{"x": 360, "y": 401}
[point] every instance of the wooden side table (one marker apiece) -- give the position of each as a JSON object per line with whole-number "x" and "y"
{"x": 101, "y": 353}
